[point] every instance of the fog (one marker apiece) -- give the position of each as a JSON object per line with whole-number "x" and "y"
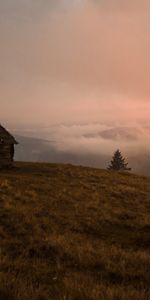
{"x": 90, "y": 144}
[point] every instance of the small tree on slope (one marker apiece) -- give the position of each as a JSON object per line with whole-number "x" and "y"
{"x": 118, "y": 162}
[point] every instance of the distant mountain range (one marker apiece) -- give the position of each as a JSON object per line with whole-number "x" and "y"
{"x": 33, "y": 149}
{"x": 38, "y": 150}
{"x": 123, "y": 133}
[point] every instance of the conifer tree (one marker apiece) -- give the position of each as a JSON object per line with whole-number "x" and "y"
{"x": 118, "y": 162}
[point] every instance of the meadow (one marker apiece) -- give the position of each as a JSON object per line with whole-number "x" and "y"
{"x": 73, "y": 233}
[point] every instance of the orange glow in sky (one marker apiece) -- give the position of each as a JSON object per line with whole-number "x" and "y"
{"x": 73, "y": 61}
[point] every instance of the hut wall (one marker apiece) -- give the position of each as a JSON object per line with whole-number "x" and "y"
{"x": 5, "y": 155}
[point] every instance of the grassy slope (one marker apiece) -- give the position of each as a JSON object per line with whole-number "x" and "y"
{"x": 73, "y": 233}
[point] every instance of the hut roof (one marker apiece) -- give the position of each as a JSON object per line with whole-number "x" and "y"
{"x": 6, "y": 137}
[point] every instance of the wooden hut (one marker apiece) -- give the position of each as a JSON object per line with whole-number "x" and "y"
{"x": 7, "y": 142}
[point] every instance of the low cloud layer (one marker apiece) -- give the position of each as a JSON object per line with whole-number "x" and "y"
{"x": 74, "y": 61}
{"x": 90, "y": 144}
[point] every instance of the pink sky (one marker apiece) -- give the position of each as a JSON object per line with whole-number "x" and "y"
{"x": 74, "y": 61}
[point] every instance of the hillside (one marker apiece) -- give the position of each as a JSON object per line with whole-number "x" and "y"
{"x": 73, "y": 233}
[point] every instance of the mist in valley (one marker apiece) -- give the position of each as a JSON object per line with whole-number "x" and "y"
{"x": 86, "y": 144}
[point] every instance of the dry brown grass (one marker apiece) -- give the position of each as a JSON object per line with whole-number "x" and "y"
{"x": 73, "y": 233}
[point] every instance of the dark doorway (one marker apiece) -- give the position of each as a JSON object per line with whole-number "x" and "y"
{"x": 12, "y": 151}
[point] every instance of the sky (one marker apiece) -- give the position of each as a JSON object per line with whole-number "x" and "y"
{"x": 74, "y": 61}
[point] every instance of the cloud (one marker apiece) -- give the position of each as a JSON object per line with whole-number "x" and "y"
{"x": 89, "y": 63}
{"x": 129, "y": 6}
